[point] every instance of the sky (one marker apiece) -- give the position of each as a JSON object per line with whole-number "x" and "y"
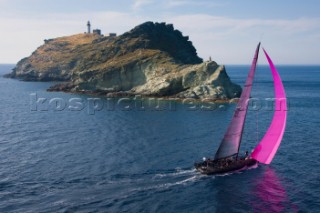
{"x": 226, "y": 30}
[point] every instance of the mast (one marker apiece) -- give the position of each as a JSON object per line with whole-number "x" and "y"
{"x": 268, "y": 146}
{"x": 230, "y": 143}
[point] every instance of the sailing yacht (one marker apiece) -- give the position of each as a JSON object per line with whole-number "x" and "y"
{"x": 227, "y": 157}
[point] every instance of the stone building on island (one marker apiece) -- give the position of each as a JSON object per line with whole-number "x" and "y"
{"x": 97, "y": 31}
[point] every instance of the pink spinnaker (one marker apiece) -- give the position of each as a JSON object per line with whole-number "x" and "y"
{"x": 268, "y": 146}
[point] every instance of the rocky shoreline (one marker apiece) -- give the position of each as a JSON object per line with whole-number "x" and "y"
{"x": 152, "y": 60}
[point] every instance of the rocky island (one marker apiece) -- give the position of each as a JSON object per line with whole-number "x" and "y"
{"x": 152, "y": 59}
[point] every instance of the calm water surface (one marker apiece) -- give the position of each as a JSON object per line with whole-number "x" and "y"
{"x": 120, "y": 160}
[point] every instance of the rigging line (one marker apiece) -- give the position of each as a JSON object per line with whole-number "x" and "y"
{"x": 257, "y": 77}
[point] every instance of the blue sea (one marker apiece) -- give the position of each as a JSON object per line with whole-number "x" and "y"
{"x": 63, "y": 152}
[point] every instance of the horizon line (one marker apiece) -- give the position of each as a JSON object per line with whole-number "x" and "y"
{"x": 226, "y": 64}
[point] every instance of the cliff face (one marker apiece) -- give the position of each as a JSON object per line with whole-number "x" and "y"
{"x": 152, "y": 59}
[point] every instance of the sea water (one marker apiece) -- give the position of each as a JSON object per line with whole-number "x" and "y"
{"x": 58, "y": 156}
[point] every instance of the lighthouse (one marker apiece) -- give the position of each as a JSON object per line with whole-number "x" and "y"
{"x": 89, "y": 27}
